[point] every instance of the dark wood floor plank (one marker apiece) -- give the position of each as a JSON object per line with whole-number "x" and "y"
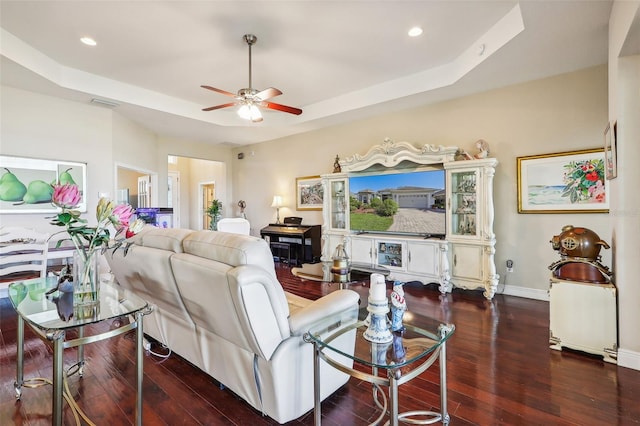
{"x": 500, "y": 372}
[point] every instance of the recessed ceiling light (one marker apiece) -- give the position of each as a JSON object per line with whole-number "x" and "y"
{"x": 415, "y": 32}
{"x": 88, "y": 41}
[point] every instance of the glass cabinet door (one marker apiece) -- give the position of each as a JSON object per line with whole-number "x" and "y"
{"x": 389, "y": 253}
{"x": 339, "y": 205}
{"x": 464, "y": 195}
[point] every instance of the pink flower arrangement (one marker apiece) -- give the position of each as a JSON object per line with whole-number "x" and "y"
{"x": 87, "y": 239}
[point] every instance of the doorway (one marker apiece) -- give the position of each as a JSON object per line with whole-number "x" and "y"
{"x": 192, "y": 174}
{"x": 173, "y": 196}
{"x": 129, "y": 188}
{"x": 207, "y": 195}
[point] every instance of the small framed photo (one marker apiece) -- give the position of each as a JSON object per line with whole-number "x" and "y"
{"x": 563, "y": 182}
{"x": 610, "y": 150}
{"x": 309, "y": 193}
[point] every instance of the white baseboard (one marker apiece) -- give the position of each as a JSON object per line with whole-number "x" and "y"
{"x": 526, "y": 292}
{"x": 629, "y": 359}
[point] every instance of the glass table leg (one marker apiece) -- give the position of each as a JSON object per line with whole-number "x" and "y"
{"x": 19, "y": 359}
{"x": 58, "y": 348}
{"x": 443, "y": 384}
{"x": 317, "y": 415}
{"x": 139, "y": 367}
{"x": 80, "y": 352}
{"x": 393, "y": 399}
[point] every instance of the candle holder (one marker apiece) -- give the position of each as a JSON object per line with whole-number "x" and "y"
{"x": 376, "y": 322}
{"x": 378, "y": 327}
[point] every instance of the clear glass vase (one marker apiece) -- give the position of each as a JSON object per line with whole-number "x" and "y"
{"x": 86, "y": 285}
{"x": 214, "y": 221}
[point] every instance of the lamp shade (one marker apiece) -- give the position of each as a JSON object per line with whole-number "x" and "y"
{"x": 277, "y": 201}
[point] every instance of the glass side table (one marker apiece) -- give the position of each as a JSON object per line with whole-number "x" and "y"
{"x": 50, "y": 316}
{"x": 410, "y": 353}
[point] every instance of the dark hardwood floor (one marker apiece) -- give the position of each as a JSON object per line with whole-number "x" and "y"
{"x": 500, "y": 372}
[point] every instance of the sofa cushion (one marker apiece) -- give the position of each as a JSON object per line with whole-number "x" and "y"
{"x": 164, "y": 239}
{"x": 231, "y": 249}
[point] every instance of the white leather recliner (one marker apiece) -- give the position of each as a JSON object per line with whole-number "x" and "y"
{"x": 219, "y": 305}
{"x": 235, "y": 225}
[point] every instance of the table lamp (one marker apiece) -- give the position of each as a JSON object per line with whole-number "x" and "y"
{"x": 277, "y": 203}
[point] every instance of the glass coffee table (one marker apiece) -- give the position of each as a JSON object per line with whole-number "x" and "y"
{"x": 323, "y": 271}
{"x": 52, "y": 315}
{"x": 392, "y": 364}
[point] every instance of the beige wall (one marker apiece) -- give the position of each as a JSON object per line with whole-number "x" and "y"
{"x": 39, "y": 126}
{"x": 562, "y": 113}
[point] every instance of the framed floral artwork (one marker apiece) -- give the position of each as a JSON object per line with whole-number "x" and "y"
{"x": 309, "y": 193}
{"x": 563, "y": 182}
{"x": 26, "y": 183}
{"x": 610, "y": 151}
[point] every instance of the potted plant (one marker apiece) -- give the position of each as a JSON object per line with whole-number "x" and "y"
{"x": 214, "y": 211}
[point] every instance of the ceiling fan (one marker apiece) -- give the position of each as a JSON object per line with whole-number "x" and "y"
{"x": 249, "y": 98}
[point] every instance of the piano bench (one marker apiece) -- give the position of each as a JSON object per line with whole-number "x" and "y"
{"x": 277, "y": 249}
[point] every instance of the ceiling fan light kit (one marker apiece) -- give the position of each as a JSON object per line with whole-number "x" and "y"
{"x": 250, "y": 112}
{"x": 249, "y": 99}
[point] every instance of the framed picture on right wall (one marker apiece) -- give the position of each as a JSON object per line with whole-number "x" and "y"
{"x": 610, "y": 150}
{"x": 563, "y": 182}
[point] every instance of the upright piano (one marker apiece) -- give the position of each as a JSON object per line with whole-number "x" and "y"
{"x": 304, "y": 240}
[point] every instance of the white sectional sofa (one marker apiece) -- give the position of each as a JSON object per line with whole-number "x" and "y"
{"x": 219, "y": 305}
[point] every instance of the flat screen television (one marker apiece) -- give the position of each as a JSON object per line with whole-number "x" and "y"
{"x": 398, "y": 202}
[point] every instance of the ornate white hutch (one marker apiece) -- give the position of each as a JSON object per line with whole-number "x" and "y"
{"x": 463, "y": 258}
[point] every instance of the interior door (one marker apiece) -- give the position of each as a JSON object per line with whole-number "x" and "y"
{"x": 208, "y": 195}
{"x": 144, "y": 191}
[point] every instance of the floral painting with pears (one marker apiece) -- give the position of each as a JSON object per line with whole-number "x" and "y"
{"x": 26, "y": 184}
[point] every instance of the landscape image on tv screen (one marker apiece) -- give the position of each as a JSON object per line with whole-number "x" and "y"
{"x": 402, "y": 203}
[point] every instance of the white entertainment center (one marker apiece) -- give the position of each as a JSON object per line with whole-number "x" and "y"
{"x": 463, "y": 257}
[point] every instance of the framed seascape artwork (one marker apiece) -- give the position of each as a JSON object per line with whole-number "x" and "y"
{"x": 26, "y": 183}
{"x": 563, "y": 182}
{"x": 610, "y": 151}
{"x": 309, "y": 193}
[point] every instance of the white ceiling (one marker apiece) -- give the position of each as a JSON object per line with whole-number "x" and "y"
{"x": 337, "y": 60}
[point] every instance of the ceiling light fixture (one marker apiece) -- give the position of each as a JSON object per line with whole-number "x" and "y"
{"x": 249, "y": 111}
{"x": 415, "y": 32}
{"x": 88, "y": 41}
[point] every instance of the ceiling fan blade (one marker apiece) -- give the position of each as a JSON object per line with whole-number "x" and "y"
{"x": 279, "y": 107}
{"x": 269, "y": 93}
{"x": 224, "y": 92}
{"x": 219, "y": 106}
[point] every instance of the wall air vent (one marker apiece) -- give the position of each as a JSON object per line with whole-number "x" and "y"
{"x": 104, "y": 103}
